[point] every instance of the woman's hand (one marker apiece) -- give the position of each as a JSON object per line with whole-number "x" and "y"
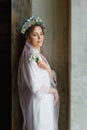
{"x": 55, "y": 93}
{"x": 42, "y": 64}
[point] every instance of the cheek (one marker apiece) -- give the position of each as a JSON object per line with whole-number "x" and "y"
{"x": 32, "y": 39}
{"x": 42, "y": 37}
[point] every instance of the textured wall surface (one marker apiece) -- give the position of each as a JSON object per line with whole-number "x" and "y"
{"x": 79, "y": 65}
{"x": 20, "y": 10}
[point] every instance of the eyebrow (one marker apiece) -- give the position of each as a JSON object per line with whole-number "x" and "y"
{"x": 37, "y": 32}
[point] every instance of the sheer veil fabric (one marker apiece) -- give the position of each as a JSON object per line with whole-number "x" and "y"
{"x": 39, "y": 111}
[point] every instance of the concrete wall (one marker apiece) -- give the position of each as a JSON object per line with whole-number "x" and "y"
{"x": 79, "y": 64}
{"x": 55, "y": 14}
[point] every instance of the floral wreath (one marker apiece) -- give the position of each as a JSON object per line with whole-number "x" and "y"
{"x": 30, "y": 22}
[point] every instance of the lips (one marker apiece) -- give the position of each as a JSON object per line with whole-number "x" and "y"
{"x": 39, "y": 41}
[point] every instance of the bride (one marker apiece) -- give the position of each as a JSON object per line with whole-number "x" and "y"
{"x": 37, "y": 82}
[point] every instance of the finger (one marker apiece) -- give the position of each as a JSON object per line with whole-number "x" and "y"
{"x": 56, "y": 98}
{"x": 39, "y": 63}
{"x": 55, "y": 101}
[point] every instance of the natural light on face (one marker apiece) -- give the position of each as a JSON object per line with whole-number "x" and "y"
{"x": 36, "y": 37}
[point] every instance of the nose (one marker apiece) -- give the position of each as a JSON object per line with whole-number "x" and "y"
{"x": 39, "y": 36}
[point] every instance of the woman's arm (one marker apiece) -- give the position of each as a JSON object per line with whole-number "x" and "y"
{"x": 51, "y": 90}
{"x": 43, "y": 65}
{"x": 55, "y": 93}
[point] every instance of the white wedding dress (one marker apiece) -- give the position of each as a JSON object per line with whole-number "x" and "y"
{"x": 39, "y": 111}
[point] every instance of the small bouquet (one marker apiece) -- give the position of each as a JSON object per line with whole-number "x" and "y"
{"x": 34, "y": 56}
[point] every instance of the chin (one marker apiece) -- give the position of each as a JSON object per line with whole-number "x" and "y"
{"x": 40, "y": 44}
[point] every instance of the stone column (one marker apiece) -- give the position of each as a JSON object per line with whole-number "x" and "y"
{"x": 78, "y": 64}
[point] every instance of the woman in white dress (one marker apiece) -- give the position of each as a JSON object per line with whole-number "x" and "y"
{"x": 39, "y": 98}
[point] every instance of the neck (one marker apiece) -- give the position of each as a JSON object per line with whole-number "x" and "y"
{"x": 38, "y": 48}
